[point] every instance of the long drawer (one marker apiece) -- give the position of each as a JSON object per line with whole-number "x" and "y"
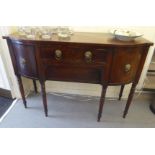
{"x": 59, "y": 54}
{"x": 72, "y": 63}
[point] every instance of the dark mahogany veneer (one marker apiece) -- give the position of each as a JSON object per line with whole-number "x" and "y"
{"x": 86, "y": 57}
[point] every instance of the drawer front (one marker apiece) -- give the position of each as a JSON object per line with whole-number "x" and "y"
{"x": 125, "y": 65}
{"x": 74, "y": 63}
{"x": 25, "y": 59}
{"x": 57, "y": 54}
{"x": 73, "y": 74}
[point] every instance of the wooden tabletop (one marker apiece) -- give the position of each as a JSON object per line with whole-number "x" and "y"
{"x": 86, "y": 37}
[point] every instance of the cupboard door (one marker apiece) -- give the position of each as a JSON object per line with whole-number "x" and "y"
{"x": 25, "y": 59}
{"x": 125, "y": 64}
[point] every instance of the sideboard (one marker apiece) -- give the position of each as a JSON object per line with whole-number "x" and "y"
{"x": 95, "y": 58}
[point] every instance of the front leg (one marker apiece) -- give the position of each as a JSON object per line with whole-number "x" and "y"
{"x": 21, "y": 88}
{"x": 102, "y": 99}
{"x": 130, "y": 97}
{"x": 43, "y": 91}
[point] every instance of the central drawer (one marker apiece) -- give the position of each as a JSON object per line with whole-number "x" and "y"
{"x": 73, "y": 63}
{"x": 59, "y": 54}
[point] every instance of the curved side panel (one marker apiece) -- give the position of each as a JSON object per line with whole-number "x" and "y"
{"x": 25, "y": 59}
{"x": 125, "y": 65}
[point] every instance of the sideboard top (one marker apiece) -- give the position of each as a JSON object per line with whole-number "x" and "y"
{"x": 86, "y": 38}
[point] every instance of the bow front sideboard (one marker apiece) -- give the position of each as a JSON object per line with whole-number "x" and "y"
{"x": 95, "y": 58}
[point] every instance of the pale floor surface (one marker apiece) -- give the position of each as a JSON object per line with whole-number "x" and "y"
{"x": 150, "y": 81}
{"x": 74, "y": 111}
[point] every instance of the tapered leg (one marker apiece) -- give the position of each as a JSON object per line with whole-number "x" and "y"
{"x": 35, "y": 86}
{"x": 21, "y": 90}
{"x": 121, "y": 92}
{"x": 129, "y": 100}
{"x": 102, "y": 99}
{"x": 44, "y": 97}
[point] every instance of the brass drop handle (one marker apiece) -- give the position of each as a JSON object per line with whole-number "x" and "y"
{"x": 58, "y": 54}
{"x": 127, "y": 67}
{"x": 88, "y": 56}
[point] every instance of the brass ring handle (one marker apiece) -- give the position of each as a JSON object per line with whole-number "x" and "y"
{"x": 58, "y": 54}
{"x": 127, "y": 68}
{"x": 88, "y": 56}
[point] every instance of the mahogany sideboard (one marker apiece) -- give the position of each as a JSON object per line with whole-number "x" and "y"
{"x": 86, "y": 57}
